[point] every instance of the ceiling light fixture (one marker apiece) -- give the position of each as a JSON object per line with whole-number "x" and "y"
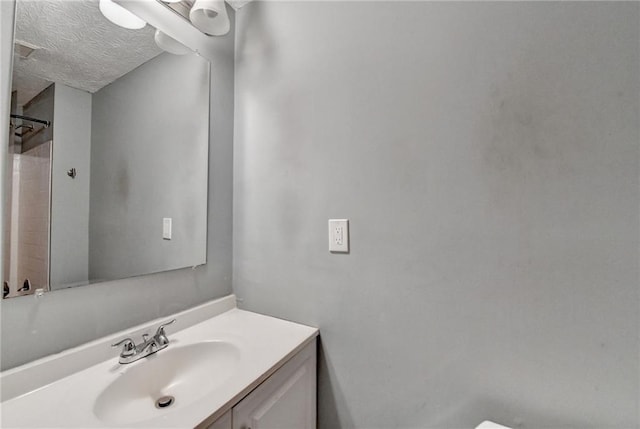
{"x": 210, "y": 17}
{"x": 169, "y": 44}
{"x": 120, "y": 16}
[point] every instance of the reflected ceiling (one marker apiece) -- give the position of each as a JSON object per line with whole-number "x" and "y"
{"x": 74, "y": 45}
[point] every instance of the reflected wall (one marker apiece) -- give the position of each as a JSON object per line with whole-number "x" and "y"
{"x": 148, "y": 163}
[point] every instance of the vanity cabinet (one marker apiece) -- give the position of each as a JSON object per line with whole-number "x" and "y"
{"x": 228, "y": 368}
{"x": 223, "y": 422}
{"x": 285, "y": 400}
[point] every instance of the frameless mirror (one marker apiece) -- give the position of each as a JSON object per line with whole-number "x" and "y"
{"x": 108, "y": 164}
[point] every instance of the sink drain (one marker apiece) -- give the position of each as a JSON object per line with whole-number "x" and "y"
{"x": 165, "y": 401}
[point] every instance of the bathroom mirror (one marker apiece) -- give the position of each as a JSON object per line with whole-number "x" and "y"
{"x": 108, "y": 153}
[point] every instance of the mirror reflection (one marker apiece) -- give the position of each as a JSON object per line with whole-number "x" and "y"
{"x": 107, "y": 177}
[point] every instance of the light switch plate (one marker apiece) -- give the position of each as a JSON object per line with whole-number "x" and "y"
{"x": 339, "y": 235}
{"x": 166, "y": 228}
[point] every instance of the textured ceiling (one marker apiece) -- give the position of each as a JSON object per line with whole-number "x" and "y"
{"x": 78, "y": 47}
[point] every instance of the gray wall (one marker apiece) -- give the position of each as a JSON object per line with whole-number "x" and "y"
{"x": 149, "y": 161}
{"x": 70, "y": 203}
{"x": 32, "y": 328}
{"x": 487, "y": 157}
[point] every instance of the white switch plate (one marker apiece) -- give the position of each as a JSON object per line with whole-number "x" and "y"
{"x": 166, "y": 228}
{"x": 339, "y": 235}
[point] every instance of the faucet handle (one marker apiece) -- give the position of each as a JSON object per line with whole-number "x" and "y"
{"x": 128, "y": 342}
{"x": 160, "y": 330}
{"x": 160, "y": 336}
{"x": 129, "y": 346}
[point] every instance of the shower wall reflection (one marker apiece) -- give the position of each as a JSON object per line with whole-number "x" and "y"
{"x": 28, "y": 215}
{"x": 31, "y": 195}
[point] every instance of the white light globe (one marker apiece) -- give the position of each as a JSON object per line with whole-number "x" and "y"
{"x": 120, "y": 16}
{"x": 210, "y": 17}
{"x": 169, "y": 44}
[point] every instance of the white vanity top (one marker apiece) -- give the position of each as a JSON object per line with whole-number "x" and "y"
{"x": 62, "y": 390}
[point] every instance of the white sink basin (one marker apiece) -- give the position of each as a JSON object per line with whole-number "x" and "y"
{"x": 217, "y": 354}
{"x": 185, "y": 373}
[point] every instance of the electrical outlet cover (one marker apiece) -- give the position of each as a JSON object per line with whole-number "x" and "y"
{"x": 339, "y": 235}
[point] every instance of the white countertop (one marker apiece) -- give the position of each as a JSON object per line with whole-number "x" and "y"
{"x": 265, "y": 344}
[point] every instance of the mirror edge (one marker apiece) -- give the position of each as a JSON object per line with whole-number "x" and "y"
{"x": 7, "y": 31}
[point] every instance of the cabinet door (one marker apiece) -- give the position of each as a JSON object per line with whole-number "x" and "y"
{"x": 286, "y": 400}
{"x": 223, "y": 422}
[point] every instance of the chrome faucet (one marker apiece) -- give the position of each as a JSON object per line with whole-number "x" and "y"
{"x": 132, "y": 352}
